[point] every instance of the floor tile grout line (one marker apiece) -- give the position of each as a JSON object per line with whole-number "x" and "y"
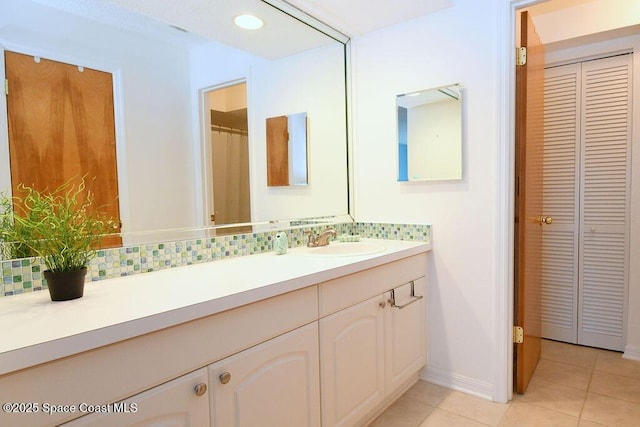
{"x": 469, "y": 418}
{"x": 549, "y": 382}
{"x": 586, "y": 396}
{"x": 615, "y": 398}
{"x": 552, "y": 410}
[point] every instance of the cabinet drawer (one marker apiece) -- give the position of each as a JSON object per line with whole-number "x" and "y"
{"x": 346, "y": 291}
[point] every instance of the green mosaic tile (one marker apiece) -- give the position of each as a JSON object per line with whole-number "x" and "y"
{"x": 19, "y": 276}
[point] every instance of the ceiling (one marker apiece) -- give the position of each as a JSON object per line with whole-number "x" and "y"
{"x": 193, "y": 22}
{"x": 206, "y": 20}
{"x": 357, "y": 17}
{"x": 202, "y": 21}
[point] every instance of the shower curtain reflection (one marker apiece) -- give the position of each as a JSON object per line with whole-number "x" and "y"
{"x": 231, "y": 201}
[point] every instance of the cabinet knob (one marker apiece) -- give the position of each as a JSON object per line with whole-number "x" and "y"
{"x": 382, "y": 304}
{"x": 200, "y": 389}
{"x": 225, "y": 377}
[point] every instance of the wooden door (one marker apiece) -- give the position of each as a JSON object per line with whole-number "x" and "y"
{"x": 61, "y": 128}
{"x": 528, "y": 209}
{"x": 277, "y": 151}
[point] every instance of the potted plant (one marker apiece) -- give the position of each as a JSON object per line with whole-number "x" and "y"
{"x": 61, "y": 227}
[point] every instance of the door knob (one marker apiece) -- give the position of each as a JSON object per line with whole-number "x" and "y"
{"x": 545, "y": 219}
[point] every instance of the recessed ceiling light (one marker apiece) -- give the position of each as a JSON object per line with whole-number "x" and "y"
{"x": 248, "y": 22}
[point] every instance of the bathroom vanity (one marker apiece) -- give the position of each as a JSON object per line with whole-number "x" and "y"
{"x": 300, "y": 339}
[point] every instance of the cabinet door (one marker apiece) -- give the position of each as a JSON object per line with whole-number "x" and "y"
{"x": 274, "y": 384}
{"x": 179, "y": 403}
{"x": 405, "y": 335}
{"x": 352, "y": 362}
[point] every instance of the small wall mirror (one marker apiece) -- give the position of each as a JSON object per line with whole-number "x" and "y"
{"x": 287, "y": 150}
{"x": 430, "y": 134}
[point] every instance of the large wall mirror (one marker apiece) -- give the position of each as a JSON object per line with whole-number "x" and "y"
{"x": 430, "y": 134}
{"x": 163, "y": 59}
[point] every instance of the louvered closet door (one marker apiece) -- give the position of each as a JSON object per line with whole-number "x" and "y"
{"x": 606, "y": 136}
{"x": 560, "y": 196}
{"x": 587, "y": 133}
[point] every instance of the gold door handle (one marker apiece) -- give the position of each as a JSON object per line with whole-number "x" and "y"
{"x": 545, "y": 220}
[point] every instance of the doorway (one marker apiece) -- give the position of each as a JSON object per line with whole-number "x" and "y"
{"x": 587, "y": 39}
{"x": 228, "y": 195}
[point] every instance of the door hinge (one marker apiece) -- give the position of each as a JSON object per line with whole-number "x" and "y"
{"x": 518, "y": 335}
{"x": 6, "y": 86}
{"x": 521, "y": 55}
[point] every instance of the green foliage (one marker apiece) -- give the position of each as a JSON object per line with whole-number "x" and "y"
{"x": 12, "y": 234}
{"x": 58, "y": 226}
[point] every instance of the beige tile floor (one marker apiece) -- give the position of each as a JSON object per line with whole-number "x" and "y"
{"x": 572, "y": 386}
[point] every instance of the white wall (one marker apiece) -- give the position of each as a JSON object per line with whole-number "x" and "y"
{"x": 584, "y": 19}
{"x": 458, "y": 44}
{"x": 433, "y": 143}
{"x": 152, "y": 99}
{"x": 468, "y": 326}
{"x": 312, "y": 83}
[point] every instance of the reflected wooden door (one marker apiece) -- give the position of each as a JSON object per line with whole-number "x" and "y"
{"x": 528, "y": 209}
{"x": 277, "y": 151}
{"x": 61, "y": 128}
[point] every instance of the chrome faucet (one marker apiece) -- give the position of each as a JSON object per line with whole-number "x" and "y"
{"x": 322, "y": 239}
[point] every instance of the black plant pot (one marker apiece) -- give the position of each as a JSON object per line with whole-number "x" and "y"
{"x": 65, "y": 285}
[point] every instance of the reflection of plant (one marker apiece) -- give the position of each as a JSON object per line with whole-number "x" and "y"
{"x": 59, "y": 226}
{"x": 11, "y": 234}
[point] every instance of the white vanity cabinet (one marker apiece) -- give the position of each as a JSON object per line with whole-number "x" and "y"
{"x": 371, "y": 351}
{"x": 352, "y": 362}
{"x": 182, "y": 402}
{"x": 325, "y": 348}
{"x": 276, "y": 383}
{"x": 405, "y": 333}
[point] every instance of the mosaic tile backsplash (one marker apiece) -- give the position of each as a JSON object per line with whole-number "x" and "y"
{"x": 25, "y": 275}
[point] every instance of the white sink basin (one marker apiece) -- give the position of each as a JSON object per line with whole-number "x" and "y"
{"x": 343, "y": 249}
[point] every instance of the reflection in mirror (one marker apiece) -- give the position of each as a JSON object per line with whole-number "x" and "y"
{"x": 430, "y": 134}
{"x": 158, "y": 73}
{"x": 229, "y": 160}
{"x": 287, "y": 150}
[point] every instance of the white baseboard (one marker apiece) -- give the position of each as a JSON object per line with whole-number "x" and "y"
{"x": 631, "y": 352}
{"x": 458, "y": 382}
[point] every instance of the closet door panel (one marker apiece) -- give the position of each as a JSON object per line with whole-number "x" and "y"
{"x": 560, "y": 196}
{"x": 606, "y": 136}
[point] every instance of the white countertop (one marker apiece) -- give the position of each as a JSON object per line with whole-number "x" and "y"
{"x": 34, "y": 329}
